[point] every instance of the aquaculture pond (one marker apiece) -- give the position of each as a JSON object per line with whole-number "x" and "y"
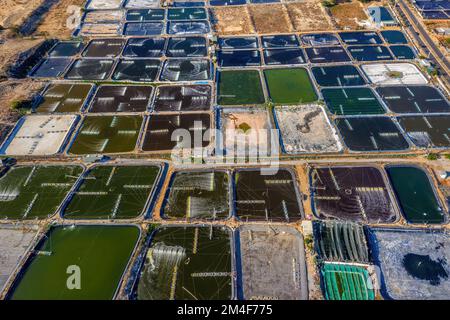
{"x": 290, "y": 86}
{"x": 416, "y": 195}
{"x": 29, "y": 192}
{"x": 103, "y": 48}
{"x": 66, "y": 49}
{"x": 371, "y": 134}
{"x": 144, "y": 48}
{"x": 267, "y": 254}
{"x": 239, "y": 87}
{"x": 107, "y": 134}
{"x": 63, "y": 97}
{"x": 198, "y": 195}
{"x": 182, "y": 98}
{"x": 187, "y": 263}
{"x": 145, "y": 70}
{"x": 112, "y": 192}
{"x": 414, "y": 99}
{"x": 338, "y": 76}
{"x": 352, "y": 101}
{"x": 99, "y": 254}
{"x": 266, "y": 197}
{"x": 341, "y": 241}
{"x": 161, "y": 127}
{"x": 351, "y": 194}
{"x": 418, "y": 257}
{"x": 112, "y": 98}
{"x": 427, "y": 132}
{"x": 346, "y": 282}
{"x": 90, "y": 69}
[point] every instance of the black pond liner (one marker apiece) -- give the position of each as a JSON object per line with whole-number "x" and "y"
{"x": 186, "y": 47}
{"x": 140, "y": 15}
{"x": 111, "y": 98}
{"x": 158, "y": 134}
{"x": 371, "y": 134}
{"x": 394, "y": 37}
{"x": 143, "y": 28}
{"x": 320, "y": 39}
{"x": 182, "y": 98}
{"x": 280, "y": 41}
{"x": 186, "y": 70}
{"x": 188, "y": 4}
{"x": 144, "y": 48}
{"x": 5, "y": 129}
{"x": 360, "y": 37}
{"x": 66, "y": 49}
{"x": 414, "y": 99}
{"x": 227, "y": 2}
{"x": 357, "y": 194}
{"x": 327, "y": 54}
{"x": 137, "y": 70}
{"x": 90, "y": 69}
{"x": 340, "y": 241}
{"x": 338, "y": 76}
{"x": 28, "y": 59}
{"x": 104, "y": 48}
{"x": 190, "y": 13}
{"x": 239, "y": 58}
{"x": 264, "y": 1}
{"x": 370, "y": 53}
{"x": 428, "y": 131}
{"x": 51, "y": 68}
{"x": 259, "y": 197}
{"x": 188, "y": 27}
{"x": 403, "y": 52}
{"x": 238, "y": 43}
{"x": 284, "y": 56}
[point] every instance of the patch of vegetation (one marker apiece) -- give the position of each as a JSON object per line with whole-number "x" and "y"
{"x": 432, "y": 156}
{"x": 244, "y": 127}
{"x": 21, "y": 106}
{"x": 309, "y": 242}
{"x": 329, "y": 3}
{"x": 447, "y": 156}
{"x": 395, "y": 74}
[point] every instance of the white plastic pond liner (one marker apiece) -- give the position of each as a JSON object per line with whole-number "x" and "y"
{"x": 393, "y": 245}
{"x": 104, "y": 4}
{"x": 133, "y": 4}
{"x": 13, "y": 245}
{"x": 406, "y": 73}
{"x": 306, "y": 129}
{"x": 41, "y": 135}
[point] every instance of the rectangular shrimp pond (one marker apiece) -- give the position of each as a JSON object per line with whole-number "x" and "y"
{"x": 33, "y": 192}
{"x": 98, "y": 254}
{"x": 63, "y": 97}
{"x": 107, "y": 134}
{"x": 187, "y": 263}
{"x": 346, "y": 282}
{"x": 272, "y": 259}
{"x": 237, "y": 87}
{"x": 113, "y": 192}
{"x": 198, "y": 195}
{"x": 416, "y": 194}
{"x": 413, "y": 262}
{"x": 262, "y": 197}
{"x": 351, "y": 193}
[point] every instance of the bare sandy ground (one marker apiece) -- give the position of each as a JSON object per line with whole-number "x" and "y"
{"x": 11, "y": 49}
{"x": 349, "y": 15}
{"x": 309, "y": 16}
{"x": 60, "y": 20}
{"x": 14, "y": 12}
{"x": 270, "y": 18}
{"x": 233, "y": 21}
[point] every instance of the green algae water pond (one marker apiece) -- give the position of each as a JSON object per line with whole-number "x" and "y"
{"x": 110, "y": 192}
{"x": 187, "y": 263}
{"x": 415, "y": 194}
{"x": 100, "y": 252}
{"x": 28, "y": 192}
{"x": 240, "y": 87}
{"x": 290, "y": 86}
